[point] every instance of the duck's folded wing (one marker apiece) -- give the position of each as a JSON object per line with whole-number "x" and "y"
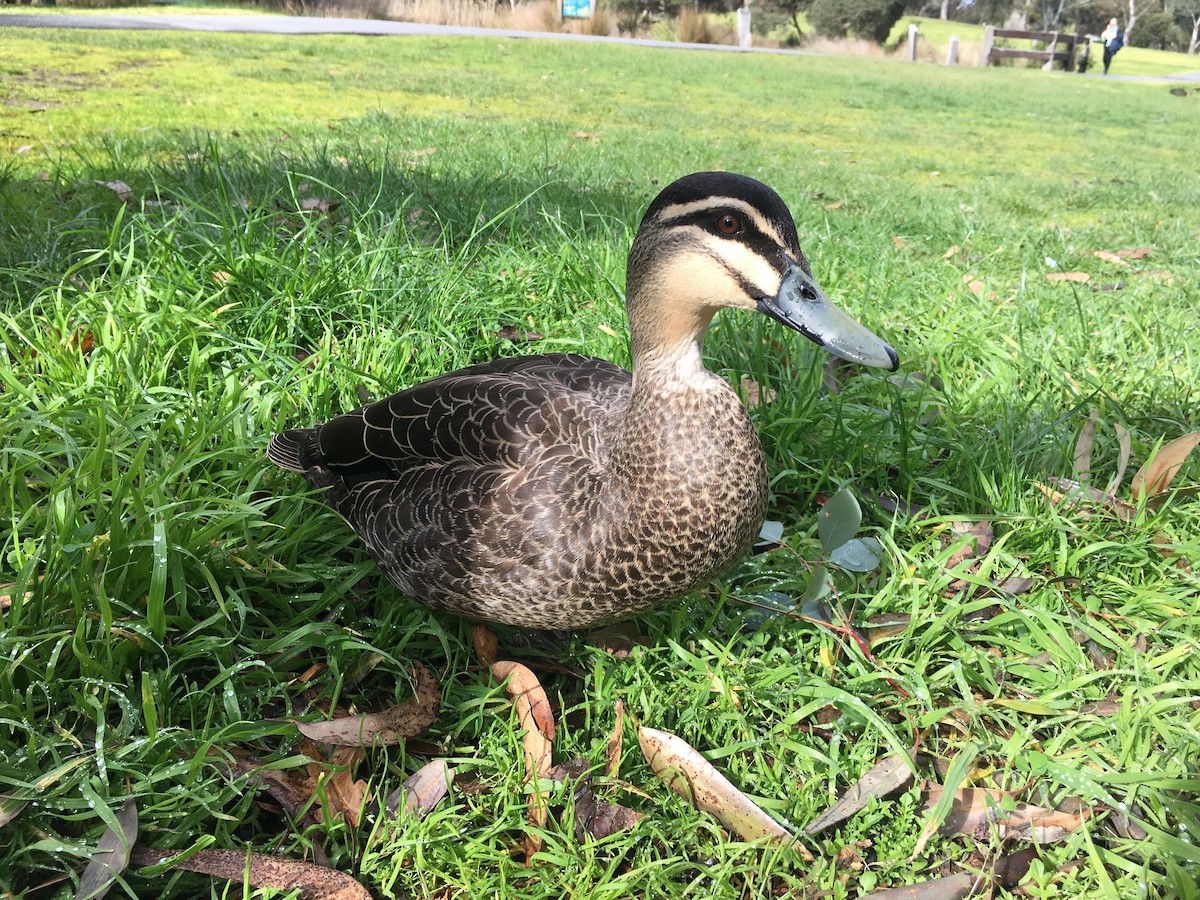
{"x": 489, "y": 414}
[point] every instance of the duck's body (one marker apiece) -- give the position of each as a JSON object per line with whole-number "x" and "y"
{"x": 562, "y": 491}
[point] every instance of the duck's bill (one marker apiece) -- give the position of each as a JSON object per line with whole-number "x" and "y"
{"x": 802, "y": 305}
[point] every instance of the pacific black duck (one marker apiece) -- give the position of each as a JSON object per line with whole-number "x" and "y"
{"x": 561, "y": 491}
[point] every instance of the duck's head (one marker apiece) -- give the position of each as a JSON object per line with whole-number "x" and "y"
{"x": 713, "y": 240}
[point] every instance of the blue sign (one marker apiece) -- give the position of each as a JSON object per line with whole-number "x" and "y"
{"x": 577, "y": 9}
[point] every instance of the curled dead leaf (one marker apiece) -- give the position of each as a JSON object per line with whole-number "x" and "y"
{"x": 385, "y": 728}
{"x": 537, "y": 719}
{"x": 612, "y": 752}
{"x": 1080, "y": 277}
{"x": 974, "y": 811}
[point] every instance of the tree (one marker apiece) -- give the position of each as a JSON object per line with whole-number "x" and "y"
{"x": 1188, "y": 11}
{"x": 869, "y": 19}
{"x": 1158, "y": 31}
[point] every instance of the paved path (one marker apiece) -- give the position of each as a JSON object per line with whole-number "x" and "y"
{"x": 324, "y": 25}
{"x": 331, "y": 25}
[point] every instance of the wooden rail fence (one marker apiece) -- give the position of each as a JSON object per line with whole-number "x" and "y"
{"x": 1060, "y": 47}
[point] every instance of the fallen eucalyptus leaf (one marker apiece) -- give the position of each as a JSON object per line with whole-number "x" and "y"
{"x": 422, "y": 790}
{"x": 858, "y": 555}
{"x": 111, "y": 856}
{"x": 695, "y": 779}
{"x": 883, "y": 778}
{"x": 385, "y": 728}
{"x": 262, "y": 870}
{"x": 1156, "y": 475}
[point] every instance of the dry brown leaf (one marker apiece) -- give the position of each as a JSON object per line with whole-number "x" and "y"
{"x": 954, "y": 249}
{"x": 612, "y": 752}
{"x": 1168, "y": 277}
{"x": 886, "y": 625}
{"x": 6, "y": 595}
{"x": 537, "y": 719}
{"x": 594, "y": 817}
{"x": 483, "y": 639}
{"x": 385, "y": 728}
{"x": 1080, "y": 277}
{"x": 898, "y": 242}
{"x": 292, "y": 789}
{"x": 884, "y": 777}
{"x": 319, "y": 204}
{"x": 528, "y": 696}
{"x": 518, "y": 335}
{"x": 344, "y": 795}
{"x": 974, "y": 285}
{"x": 220, "y": 276}
{"x": 1063, "y": 492}
{"x": 111, "y": 856}
{"x": 1156, "y": 475}
{"x": 1083, "y": 447}
{"x": 586, "y": 135}
{"x": 1138, "y": 253}
{"x": 694, "y": 778}
{"x": 948, "y": 887}
{"x": 976, "y": 810}
{"x": 263, "y": 870}
{"x": 756, "y": 395}
{"x": 422, "y": 790}
{"x": 1109, "y": 256}
{"x": 838, "y": 204}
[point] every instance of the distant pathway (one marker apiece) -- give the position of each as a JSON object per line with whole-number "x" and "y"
{"x": 331, "y": 25}
{"x": 325, "y": 25}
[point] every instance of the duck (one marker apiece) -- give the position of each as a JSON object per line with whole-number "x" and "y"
{"x": 560, "y": 492}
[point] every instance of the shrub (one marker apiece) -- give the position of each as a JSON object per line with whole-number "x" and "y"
{"x": 868, "y": 19}
{"x": 1157, "y": 31}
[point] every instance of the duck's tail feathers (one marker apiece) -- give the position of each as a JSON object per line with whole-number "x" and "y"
{"x": 295, "y": 450}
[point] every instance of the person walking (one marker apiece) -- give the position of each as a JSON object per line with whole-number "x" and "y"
{"x": 1114, "y": 39}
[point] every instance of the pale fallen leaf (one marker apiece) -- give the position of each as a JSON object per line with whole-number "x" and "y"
{"x": 954, "y": 249}
{"x": 756, "y": 395}
{"x": 262, "y": 870}
{"x": 422, "y": 790}
{"x": 220, "y": 276}
{"x": 612, "y": 752}
{"x": 974, "y": 811}
{"x": 586, "y": 135}
{"x": 1080, "y": 277}
{"x": 1156, "y": 475}
{"x": 1065, "y": 493}
{"x": 1168, "y": 277}
{"x": 10, "y": 808}
{"x": 123, "y": 191}
{"x": 837, "y": 204}
{"x": 695, "y": 779}
{"x": 319, "y": 204}
{"x": 1083, "y": 447}
{"x": 949, "y": 887}
{"x": 24, "y": 148}
{"x": 898, "y": 242}
{"x": 1123, "y": 451}
{"x": 1109, "y": 256}
{"x": 883, "y": 778}
{"x": 1138, "y": 253}
{"x": 385, "y": 728}
{"x": 111, "y": 856}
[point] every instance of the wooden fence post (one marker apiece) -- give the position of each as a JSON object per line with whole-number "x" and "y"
{"x": 989, "y": 37}
{"x": 1051, "y": 49}
{"x": 912, "y": 41}
{"x": 952, "y": 53}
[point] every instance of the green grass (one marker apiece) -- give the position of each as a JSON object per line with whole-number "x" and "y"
{"x": 178, "y": 587}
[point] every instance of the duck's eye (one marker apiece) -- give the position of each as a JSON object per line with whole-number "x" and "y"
{"x": 729, "y": 224}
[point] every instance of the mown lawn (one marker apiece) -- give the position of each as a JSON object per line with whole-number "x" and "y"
{"x": 204, "y": 238}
